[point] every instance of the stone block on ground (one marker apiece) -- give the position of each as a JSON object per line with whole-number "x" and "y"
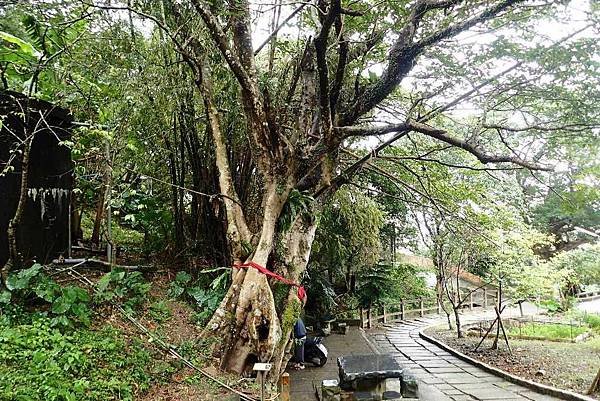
{"x": 409, "y": 385}
{"x": 330, "y": 390}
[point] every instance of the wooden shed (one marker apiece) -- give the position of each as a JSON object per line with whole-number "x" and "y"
{"x": 44, "y": 229}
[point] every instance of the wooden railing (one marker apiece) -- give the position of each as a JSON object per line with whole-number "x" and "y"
{"x": 419, "y": 307}
{"x": 584, "y": 296}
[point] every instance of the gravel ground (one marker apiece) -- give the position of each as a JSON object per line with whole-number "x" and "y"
{"x": 564, "y": 365}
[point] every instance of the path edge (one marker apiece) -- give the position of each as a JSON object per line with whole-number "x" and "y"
{"x": 541, "y": 388}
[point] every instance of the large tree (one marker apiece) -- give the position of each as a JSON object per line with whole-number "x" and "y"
{"x": 279, "y": 115}
{"x": 297, "y": 116}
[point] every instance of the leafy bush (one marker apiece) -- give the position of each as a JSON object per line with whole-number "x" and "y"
{"x": 205, "y": 293}
{"x": 321, "y": 295}
{"x": 551, "y": 305}
{"x": 159, "y": 311}
{"x": 128, "y": 288}
{"x": 385, "y": 283}
{"x": 39, "y": 362}
{"x": 593, "y": 321}
{"x": 68, "y": 304}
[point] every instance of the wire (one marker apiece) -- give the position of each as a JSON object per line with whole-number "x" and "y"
{"x": 218, "y": 195}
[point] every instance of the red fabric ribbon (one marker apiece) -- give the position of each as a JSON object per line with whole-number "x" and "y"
{"x": 267, "y": 272}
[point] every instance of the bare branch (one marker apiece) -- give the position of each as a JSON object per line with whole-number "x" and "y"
{"x": 220, "y": 39}
{"x": 276, "y": 30}
{"x": 404, "y": 52}
{"x": 483, "y": 157}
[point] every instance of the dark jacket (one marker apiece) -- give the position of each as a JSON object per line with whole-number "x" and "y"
{"x": 299, "y": 329}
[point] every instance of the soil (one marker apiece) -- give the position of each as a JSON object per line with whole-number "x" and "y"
{"x": 172, "y": 380}
{"x": 569, "y": 366}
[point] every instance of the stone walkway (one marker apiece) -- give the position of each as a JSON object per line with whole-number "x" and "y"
{"x": 303, "y": 381}
{"x": 454, "y": 378}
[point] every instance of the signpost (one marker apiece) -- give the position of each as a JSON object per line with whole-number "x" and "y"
{"x": 261, "y": 371}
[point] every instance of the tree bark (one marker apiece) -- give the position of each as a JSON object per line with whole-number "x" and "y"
{"x": 14, "y": 257}
{"x": 247, "y": 319}
{"x": 459, "y": 332}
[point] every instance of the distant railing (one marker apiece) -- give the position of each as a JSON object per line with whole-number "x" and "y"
{"x": 587, "y": 295}
{"x": 419, "y": 307}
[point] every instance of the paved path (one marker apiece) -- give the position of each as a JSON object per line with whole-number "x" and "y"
{"x": 302, "y": 381}
{"x": 590, "y": 306}
{"x": 454, "y": 378}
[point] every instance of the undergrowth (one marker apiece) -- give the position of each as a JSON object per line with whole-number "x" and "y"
{"x": 41, "y": 362}
{"x": 548, "y": 330}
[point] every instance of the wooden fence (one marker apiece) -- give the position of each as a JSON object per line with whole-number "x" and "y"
{"x": 588, "y": 295}
{"x": 413, "y": 308}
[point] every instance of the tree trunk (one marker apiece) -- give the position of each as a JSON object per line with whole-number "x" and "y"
{"x": 100, "y": 206}
{"x": 459, "y": 332}
{"x": 246, "y": 319}
{"x": 95, "y": 239}
{"x": 521, "y": 308}
{"x": 14, "y": 256}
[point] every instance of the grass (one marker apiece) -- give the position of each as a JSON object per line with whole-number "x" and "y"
{"x": 40, "y": 362}
{"x": 593, "y": 321}
{"x": 549, "y": 331}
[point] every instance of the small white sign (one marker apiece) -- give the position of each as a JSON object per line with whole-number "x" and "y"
{"x": 262, "y": 367}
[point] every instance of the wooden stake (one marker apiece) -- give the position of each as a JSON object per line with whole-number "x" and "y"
{"x": 284, "y": 387}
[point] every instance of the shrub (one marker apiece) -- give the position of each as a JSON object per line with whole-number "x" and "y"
{"x": 41, "y": 362}
{"x": 593, "y": 321}
{"x": 68, "y": 304}
{"x": 205, "y": 293}
{"x": 128, "y": 288}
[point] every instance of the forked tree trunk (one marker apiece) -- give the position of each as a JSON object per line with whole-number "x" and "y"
{"x": 246, "y": 320}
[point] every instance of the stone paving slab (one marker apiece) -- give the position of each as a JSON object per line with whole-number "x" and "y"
{"x": 302, "y": 382}
{"x": 443, "y": 376}
{"x": 455, "y": 379}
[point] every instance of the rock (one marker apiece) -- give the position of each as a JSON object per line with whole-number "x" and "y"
{"x": 330, "y": 390}
{"x": 409, "y": 385}
{"x": 540, "y": 372}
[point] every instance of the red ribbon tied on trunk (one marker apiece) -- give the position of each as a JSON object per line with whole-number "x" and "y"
{"x": 267, "y": 272}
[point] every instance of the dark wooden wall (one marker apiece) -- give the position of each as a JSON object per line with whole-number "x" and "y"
{"x": 43, "y": 233}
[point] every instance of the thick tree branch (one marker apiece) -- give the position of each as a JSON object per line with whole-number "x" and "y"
{"x": 220, "y": 39}
{"x": 320, "y": 42}
{"x": 405, "y": 51}
{"x": 341, "y": 66}
{"x": 475, "y": 150}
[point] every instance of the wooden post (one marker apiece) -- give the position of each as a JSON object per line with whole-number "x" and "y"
{"x": 284, "y": 387}
{"x": 384, "y": 315}
{"x": 401, "y": 309}
{"x": 471, "y": 300}
{"x": 369, "y": 318}
{"x": 484, "y": 297}
{"x": 421, "y": 307}
{"x": 362, "y": 317}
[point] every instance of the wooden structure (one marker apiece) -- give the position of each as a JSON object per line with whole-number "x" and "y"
{"x": 44, "y": 229}
{"x": 419, "y": 307}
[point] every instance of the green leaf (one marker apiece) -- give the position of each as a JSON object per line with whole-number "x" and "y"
{"x": 103, "y": 283}
{"x": 25, "y": 47}
{"x": 21, "y": 280}
{"x": 5, "y": 297}
{"x": 61, "y": 305}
